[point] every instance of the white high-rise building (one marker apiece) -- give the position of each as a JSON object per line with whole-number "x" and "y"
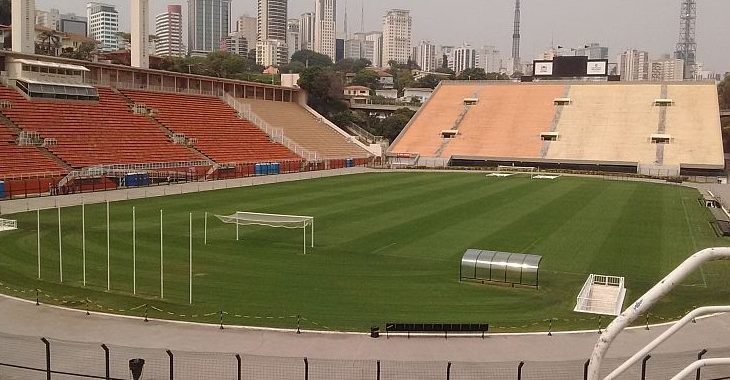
{"x": 209, "y": 22}
{"x": 306, "y": 30}
{"x": 325, "y": 28}
{"x": 427, "y": 56}
{"x": 48, "y": 19}
{"x": 490, "y": 59}
{"x": 397, "y": 32}
{"x": 667, "y": 69}
{"x": 247, "y": 28}
{"x": 293, "y": 36}
{"x": 465, "y": 57}
{"x": 377, "y": 39}
{"x": 236, "y": 43}
{"x": 103, "y": 25}
{"x": 634, "y": 65}
{"x": 140, "y": 36}
{"x": 271, "y": 47}
{"x": 445, "y": 57}
{"x": 23, "y": 20}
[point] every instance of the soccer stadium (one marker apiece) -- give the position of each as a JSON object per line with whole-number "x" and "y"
{"x": 162, "y": 225}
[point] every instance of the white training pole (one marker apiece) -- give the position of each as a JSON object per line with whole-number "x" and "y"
{"x": 206, "y": 229}
{"x": 305, "y": 238}
{"x": 191, "y": 258}
{"x": 60, "y": 247}
{"x": 39, "y": 242}
{"x": 134, "y": 250}
{"x": 312, "y": 232}
{"x": 237, "y": 230}
{"x": 162, "y": 261}
{"x": 83, "y": 241}
{"x": 108, "y": 252}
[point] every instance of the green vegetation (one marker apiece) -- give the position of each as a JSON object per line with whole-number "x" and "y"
{"x": 388, "y": 248}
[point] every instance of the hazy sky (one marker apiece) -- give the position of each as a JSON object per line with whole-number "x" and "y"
{"x": 651, "y": 25}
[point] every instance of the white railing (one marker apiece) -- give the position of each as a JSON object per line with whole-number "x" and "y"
{"x": 5, "y": 104}
{"x": 585, "y": 299}
{"x": 363, "y": 134}
{"x": 276, "y": 134}
{"x": 145, "y": 87}
{"x": 95, "y": 171}
{"x": 29, "y": 138}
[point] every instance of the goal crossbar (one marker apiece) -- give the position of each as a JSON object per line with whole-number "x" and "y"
{"x": 242, "y": 218}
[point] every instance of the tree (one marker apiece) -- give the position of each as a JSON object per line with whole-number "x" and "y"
{"x": 472, "y": 74}
{"x": 428, "y": 81}
{"x": 50, "y": 43}
{"x": 392, "y": 126}
{"x": 292, "y": 67}
{"x": 723, "y": 90}
{"x": 311, "y": 59}
{"x": 325, "y": 89}
{"x": 445, "y": 70}
{"x": 84, "y": 52}
{"x": 348, "y": 65}
{"x": 367, "y": 78}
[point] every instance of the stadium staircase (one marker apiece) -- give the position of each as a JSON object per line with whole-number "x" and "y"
{"x": 88, "y": 134}
{"x": 217, "y": 130}
{"x": 301, "y": 126}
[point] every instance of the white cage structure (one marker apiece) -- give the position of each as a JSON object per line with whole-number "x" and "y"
{"x": 243, "y": 218}
{"x": 601, "y": 295}
{"x": 8, "y": 225}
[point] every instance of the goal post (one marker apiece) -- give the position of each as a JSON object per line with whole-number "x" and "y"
{"x": 243, "y": 218}
{"x": 516, "y": 169}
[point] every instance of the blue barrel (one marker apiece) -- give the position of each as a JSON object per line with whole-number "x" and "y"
{"x": 277, "y": 167}
{"x": 130, "y": 180}
{"x": 257, "y": 169}
{"x": 144, "y": 180}
{"x": 349, "y": 163}
{"x": 2, "y": 189}
{"x": 269, "y": 168}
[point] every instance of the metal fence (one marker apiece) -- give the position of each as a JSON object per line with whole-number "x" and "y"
{"x": 30, "y": 358}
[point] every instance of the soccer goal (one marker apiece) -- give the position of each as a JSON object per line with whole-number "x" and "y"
{"x": 545, "y": 176}
{"x": 271, "y": 220}
{"x": 8, "y": 225}
{"x": 516, "y": 169}
{"x": 601, "y": 295}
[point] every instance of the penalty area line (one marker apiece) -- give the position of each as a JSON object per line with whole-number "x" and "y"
{"x": 381, "y": 249}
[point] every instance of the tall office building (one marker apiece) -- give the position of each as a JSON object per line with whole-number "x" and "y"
{"x": 325, "y": 28}
{"x": 236, "y": 43}
{"x": 168, "y": 30}
{"x": 490, "y": 59}
{"x": 667, "y": 69}
{"x": 633, "y": 65}
{"x": 593, "y": 51}
{"x": 358, "y": 47}
{"x": 293, "y": 36}
{"x": 23, "y": 26}
{"x": 48, "y": 19}
{"x": 465, "y": 57}
{"x": 247, "y": 28}
{"x": 306, "y": 30}
{"x": 271, "y": 48}
{"x": 426, "y": 57}
{"x": 377, "y": 39}
{"x": 70, "y": 23}
{"x": 397, "y": 30}
{"x": 209, "y": 22}
{"x": 103, "y": 25}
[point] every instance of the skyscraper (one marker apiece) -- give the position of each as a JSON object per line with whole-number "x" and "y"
{"x": 377, "y": 40}
{"x": 490, "y": 59}
{"x": 325, "y": 27}
{"x": 168, "y": 30}
{"x": 209, "y": 22}
{"x": 103, "y": 25}
{"x": 358, "y": 47}
{"x": 293, "y": 36}
{"x": 667, "y": 69}
{"x": 306, "y": 30}
{"x": 593, "y": 51}
{"x": 427, "y": 56}
{"x": 633, "y": 65}
{"x": 271, "y": 48}
{"x": 247, "y": 28}
{"x": 465, "y": 57}
{"x": 397, "y": 29}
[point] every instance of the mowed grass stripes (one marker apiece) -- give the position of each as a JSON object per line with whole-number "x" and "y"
{"x": 388, "y": 248}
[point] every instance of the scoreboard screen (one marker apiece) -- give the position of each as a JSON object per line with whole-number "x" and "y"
{"x": 570, "y": 67}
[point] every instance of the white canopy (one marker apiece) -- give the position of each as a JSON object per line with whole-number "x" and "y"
{"x": 32, "y": 62}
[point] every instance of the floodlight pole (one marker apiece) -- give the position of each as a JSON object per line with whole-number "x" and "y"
{"x": 162, "y": 260}
{"x": 60, "y": 247}
{"x": 134, "y": 250}
{"x": 38, "y": 227}
{"x": 108, "y": 251}
{"x": 191, "y": 258}
{"x": 83, "y": 241}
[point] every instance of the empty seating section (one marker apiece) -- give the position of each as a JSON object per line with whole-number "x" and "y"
{"x": 422, "y": 136}
{"x": 18, "y": 160}
{"x": 91, "y": 133}
{"x": 305, "y": 129}
{"x": 608, "y": 123}
{"x": 220, "y": 134}
{"x": 694, "y": 125}
{"x": 506, "y": 122}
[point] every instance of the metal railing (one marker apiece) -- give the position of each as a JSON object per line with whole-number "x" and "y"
{"x": 244, "y": 111}
{"x": 95, "y": 171}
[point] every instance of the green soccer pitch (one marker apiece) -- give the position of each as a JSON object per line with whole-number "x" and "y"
{"x": 388, "y": 248}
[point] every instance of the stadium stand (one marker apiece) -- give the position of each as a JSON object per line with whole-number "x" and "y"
{"x": 94, "y": 133}
{"x": 498, "y": 126}
{"x": 23, "y": 160}
{"x": 220, "y": 134}
{"x": 306, "y": 130}
{"x": 663, "y": 128}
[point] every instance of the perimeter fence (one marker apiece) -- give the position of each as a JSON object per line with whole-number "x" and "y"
{"x": 31, "y": 358}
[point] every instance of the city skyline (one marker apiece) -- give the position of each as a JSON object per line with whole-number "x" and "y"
{"x": 490, "y": 23}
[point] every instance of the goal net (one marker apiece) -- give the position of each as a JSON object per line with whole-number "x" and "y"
{"x": 516, "y": 169}
{"x": 271, "y": 220}
{"x": 8, "y": 225}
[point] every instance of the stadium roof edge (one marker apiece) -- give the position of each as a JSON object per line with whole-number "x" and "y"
{"x": 573, "y": 83}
